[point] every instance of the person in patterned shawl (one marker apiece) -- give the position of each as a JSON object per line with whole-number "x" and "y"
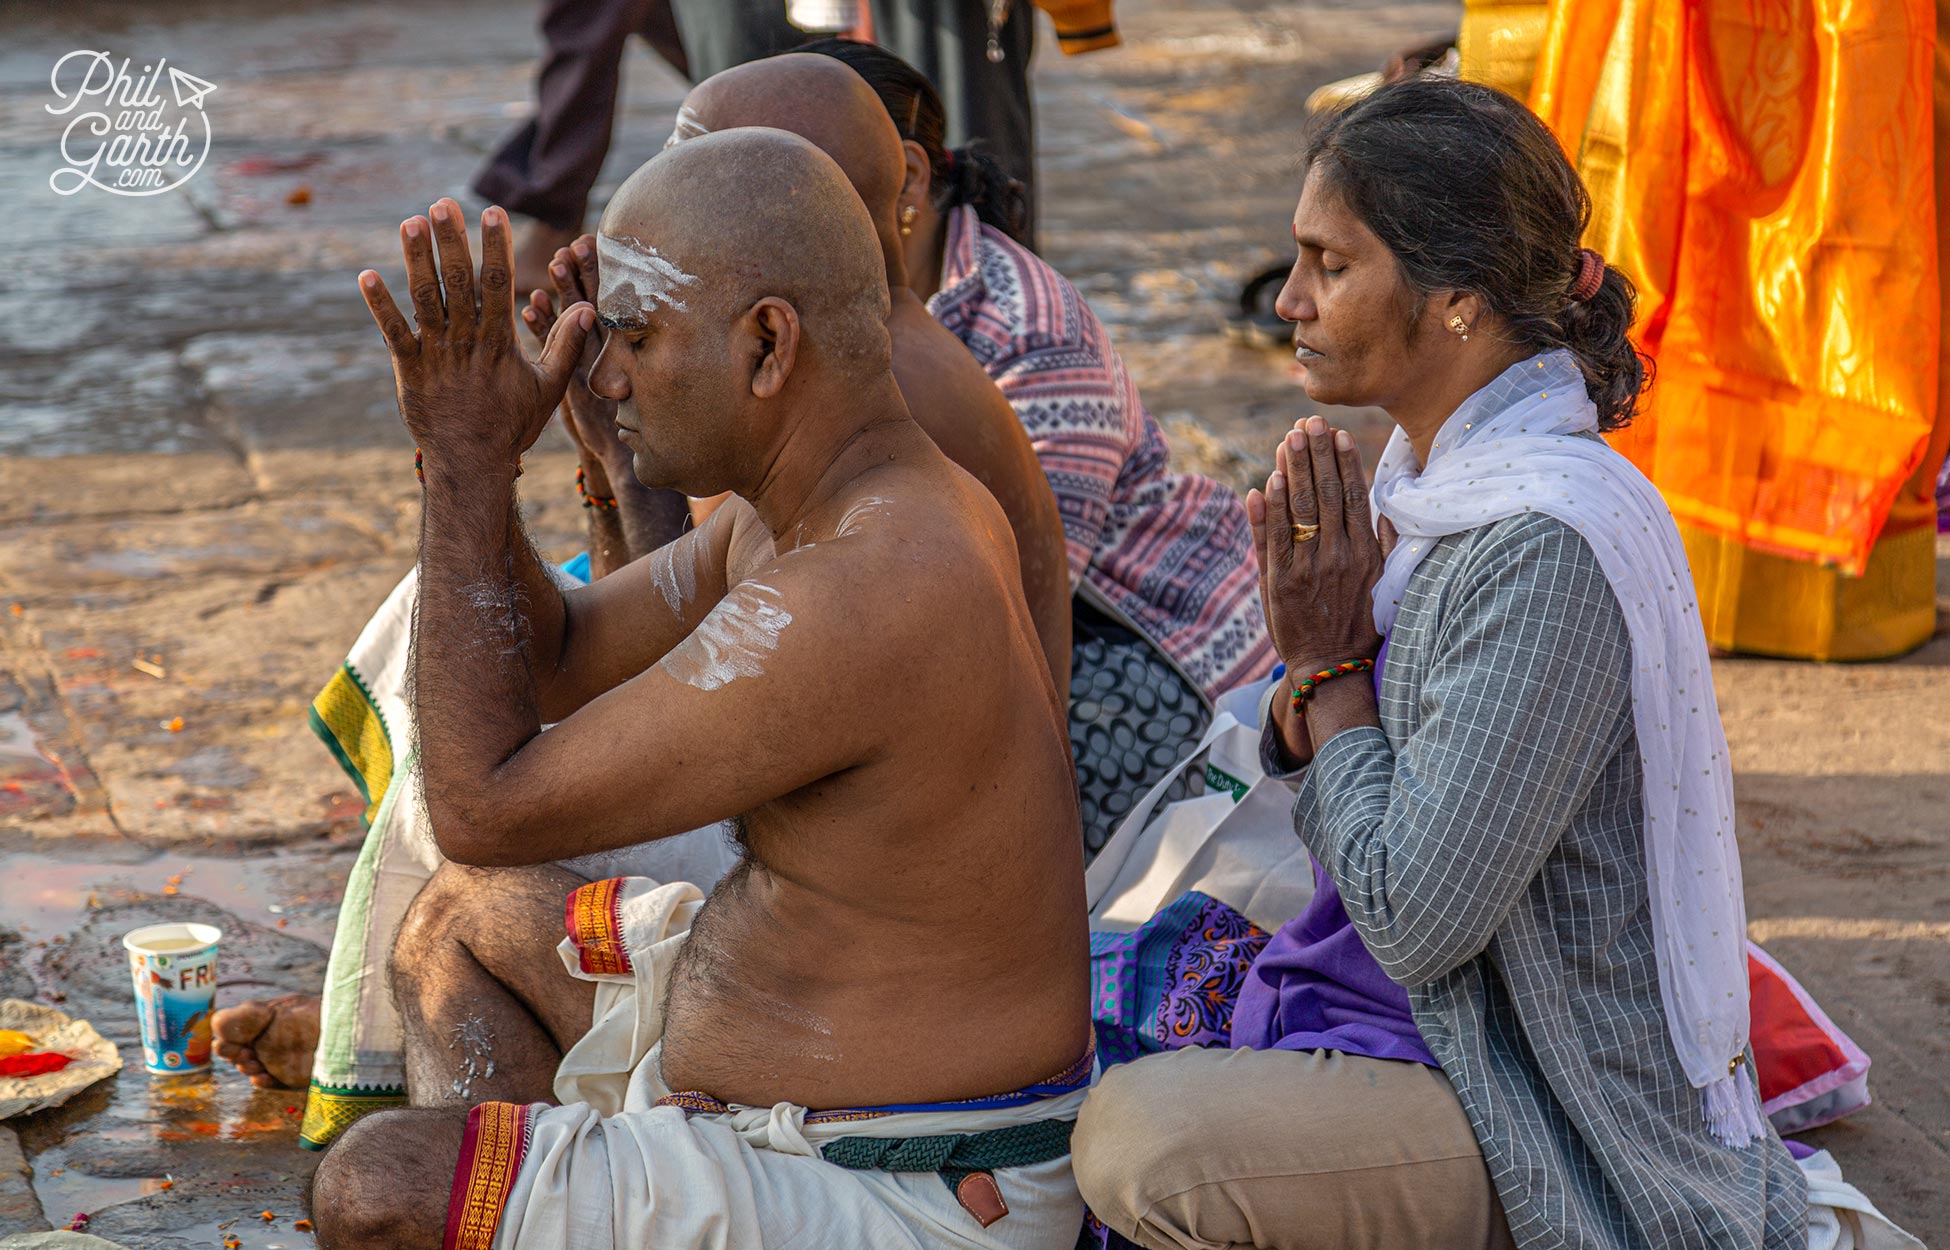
{"x": 1165, "y": 617}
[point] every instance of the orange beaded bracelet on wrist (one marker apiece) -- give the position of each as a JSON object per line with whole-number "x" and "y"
{"x": 601, "y": 503}
{"x": 1305, "y": 687}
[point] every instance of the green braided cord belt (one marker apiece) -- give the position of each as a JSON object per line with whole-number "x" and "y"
{"x": 954, "y": 1156}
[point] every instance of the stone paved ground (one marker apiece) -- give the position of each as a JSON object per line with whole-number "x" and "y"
{"x": 201, "y": 468}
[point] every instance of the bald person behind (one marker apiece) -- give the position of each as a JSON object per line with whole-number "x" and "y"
{"x": 899, "y": 961}
{"x": 947, "y": 391}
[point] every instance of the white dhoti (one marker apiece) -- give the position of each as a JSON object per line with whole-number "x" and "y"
{"x": 613, "y": 1168}
{"x": 364, "y": 716}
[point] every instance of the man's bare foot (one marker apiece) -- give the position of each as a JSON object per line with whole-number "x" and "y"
{"x": 271, "y": 1043}
{"x": 535, "y": 245}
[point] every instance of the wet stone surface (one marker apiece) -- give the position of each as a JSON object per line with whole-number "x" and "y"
{"x": 20, "y": 1207}
{"x": 201, "y": 471}
{"x": 166, "y": 1161}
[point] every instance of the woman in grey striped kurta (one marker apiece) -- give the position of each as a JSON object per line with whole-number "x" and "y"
{"x": 1483, "y": 813}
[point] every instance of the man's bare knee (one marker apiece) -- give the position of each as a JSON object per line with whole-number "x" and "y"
{"x": 482, "y": 909}
{"x": 501, "y": 922}
{"x": 384, "y": 1184}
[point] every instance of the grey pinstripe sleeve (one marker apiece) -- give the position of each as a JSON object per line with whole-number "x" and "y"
{"x": 1527, "y": 696}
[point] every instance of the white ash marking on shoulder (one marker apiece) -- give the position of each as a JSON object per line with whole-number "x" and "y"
{"x": 733, "y": 640}
{"x": 675, "y": 579}
{"x": 872, "y": 505}
{"x": 633, "y": 274}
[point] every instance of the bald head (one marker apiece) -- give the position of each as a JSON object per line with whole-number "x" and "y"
{"x": 821, "y": 100}
{"x": 744, "y": 295}
{"x": 720, "y": 222}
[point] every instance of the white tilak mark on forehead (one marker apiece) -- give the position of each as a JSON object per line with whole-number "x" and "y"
{"x": 733, "y": 640}
{"x": 633, "y": 272}
{"x": 688, "y": 127}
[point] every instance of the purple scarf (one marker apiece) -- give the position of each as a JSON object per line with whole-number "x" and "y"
{"x": 1316, "y": 987}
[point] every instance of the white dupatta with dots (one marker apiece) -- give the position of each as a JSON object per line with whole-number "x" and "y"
{"x": 1515, "y": 447}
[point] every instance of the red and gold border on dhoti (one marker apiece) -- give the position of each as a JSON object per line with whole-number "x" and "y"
{"x": 595, "y": 920}
{"x": 490, "y": 1159}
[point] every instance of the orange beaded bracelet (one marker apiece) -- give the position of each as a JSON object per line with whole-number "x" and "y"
{"x": 601, "y": 503}
{"x": 1305, "y": 687}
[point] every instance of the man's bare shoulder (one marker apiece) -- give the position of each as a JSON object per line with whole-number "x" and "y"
{"x": 905, "y": 562}
{"x": 917, "y": 543}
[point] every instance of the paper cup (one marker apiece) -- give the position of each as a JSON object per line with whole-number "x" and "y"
{"x": 175, "y": 971}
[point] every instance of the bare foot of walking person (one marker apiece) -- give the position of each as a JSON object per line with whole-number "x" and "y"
{"x": 270, "y": 1042}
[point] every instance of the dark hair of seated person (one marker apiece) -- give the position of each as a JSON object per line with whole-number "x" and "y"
{"x": 964, "y": 176}
{"x": 1471, "y": 192}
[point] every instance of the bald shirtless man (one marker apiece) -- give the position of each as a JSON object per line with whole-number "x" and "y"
{"x": 845, "y": 667}
{"x": 948, "y": 393}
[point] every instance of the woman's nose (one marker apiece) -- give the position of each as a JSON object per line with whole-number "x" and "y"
{"x": 1294, "y": 303}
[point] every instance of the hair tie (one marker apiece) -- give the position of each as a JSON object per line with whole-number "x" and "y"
{"x": 948, "y": 160}
{"x": 1591, "y": 275}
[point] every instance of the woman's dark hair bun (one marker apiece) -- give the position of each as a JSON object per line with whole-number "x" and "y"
{"x": 976, "y": 179}
{"x": 1597, "y": 331}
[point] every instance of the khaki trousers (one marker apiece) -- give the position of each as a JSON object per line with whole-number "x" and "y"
{"x": 1203, "y": 1149}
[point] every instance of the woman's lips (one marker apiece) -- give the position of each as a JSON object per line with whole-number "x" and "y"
{"x": 1303, "y": 352}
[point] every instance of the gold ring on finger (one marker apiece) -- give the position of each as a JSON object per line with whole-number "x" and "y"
{"x": 1304, "y": 533}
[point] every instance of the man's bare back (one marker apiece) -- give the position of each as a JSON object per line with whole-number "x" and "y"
{"x": 855, "y": 958}
{"x": 956, "y": 402}
{"x": 846, "y": 664}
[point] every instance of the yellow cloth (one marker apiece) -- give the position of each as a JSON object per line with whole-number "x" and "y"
{"x": 1499, "y": 41}
{"x": 1081, "y": 25}
{"x": 1767, "y": 175}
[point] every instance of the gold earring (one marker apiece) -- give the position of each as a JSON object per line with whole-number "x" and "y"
{"x": 1458, "y": 326}
{"x": 908, "y": 215}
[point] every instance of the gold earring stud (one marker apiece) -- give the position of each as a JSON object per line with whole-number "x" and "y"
{"x": 908, "y": 215}
{"x": 1458, "y": 326}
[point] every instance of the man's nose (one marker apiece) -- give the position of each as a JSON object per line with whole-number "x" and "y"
{"x": 606, "y": 377}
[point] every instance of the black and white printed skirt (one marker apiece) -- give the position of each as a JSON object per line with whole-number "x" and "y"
{"x": 1131, "y": 718}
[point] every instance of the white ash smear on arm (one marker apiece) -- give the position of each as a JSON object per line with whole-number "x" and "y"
{"x": 733, "y": 640}
{"x": 634, "y": 278}
{"x": 500, "y": 609}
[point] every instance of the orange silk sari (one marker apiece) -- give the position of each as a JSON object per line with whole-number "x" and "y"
{"x": 1767, "y": 172}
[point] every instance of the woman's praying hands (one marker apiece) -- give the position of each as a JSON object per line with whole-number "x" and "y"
{"x": 1319, "y": 560}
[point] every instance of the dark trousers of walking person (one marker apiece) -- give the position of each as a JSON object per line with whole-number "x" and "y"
{"x": 546, "y": 169}
{"x": 988, "y": 100}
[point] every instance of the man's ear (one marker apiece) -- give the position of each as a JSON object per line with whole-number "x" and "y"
{"x": 918, "y": 179}
{"x": 775, "y": 324}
